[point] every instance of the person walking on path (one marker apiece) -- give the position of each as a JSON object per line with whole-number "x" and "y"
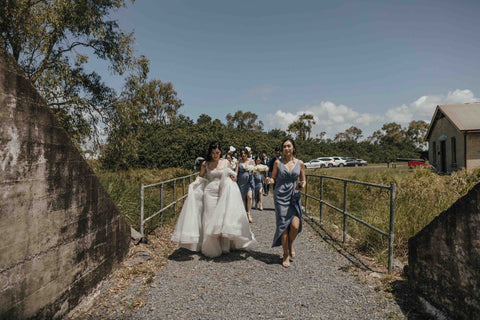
{"x": 259, "y": 181}
{"x": 212, "y": 219}
{"x": 289, "y": 177}
{"x": 245, "y": 181}
{"x": 264, "y": 160}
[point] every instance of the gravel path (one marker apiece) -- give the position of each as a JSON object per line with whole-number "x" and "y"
{"x": 253, "y": 285}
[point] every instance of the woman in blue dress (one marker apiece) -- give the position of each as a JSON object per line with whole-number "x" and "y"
{"x": 245, "y": 181}
{"x": 289, "y": 177}
{"x": 258, "y": 179}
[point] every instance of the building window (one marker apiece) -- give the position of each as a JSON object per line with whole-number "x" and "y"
{"x": 454, "y": 150}
{"x": 434, "y": 153}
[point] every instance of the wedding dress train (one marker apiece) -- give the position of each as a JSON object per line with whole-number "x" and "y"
{"x": 213, "y": 218}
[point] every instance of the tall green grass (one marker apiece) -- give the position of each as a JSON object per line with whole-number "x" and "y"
{"x": 124, "y": 189}
{"x": 420, "y": 196}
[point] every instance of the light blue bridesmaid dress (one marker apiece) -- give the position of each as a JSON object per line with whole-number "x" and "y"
{"x": 287, "y": 200}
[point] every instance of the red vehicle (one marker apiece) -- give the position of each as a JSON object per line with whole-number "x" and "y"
{"x": 417, "y": 163}
{"x": 414, "y": 163}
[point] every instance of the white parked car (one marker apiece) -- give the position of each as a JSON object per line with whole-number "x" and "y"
{"x": 315, "y": 163}
{"x": 329, "y": 161}
{"x": 339, "y": 161}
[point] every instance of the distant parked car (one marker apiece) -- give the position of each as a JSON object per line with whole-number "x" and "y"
{"x": 412, "y": 164}
{"x": 361, "y": 162}
{"x": 315, "y": 163}
{"x": 351, "y": 162}
{"x": 329, "y": 161}
{"x": 339, "y": 162}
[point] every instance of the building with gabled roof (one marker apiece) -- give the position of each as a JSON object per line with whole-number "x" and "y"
{"x": 454, "y": 137}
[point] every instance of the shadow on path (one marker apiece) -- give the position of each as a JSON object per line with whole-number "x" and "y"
{"x": 183, "y": 254}
{"x": 336, "y": 244}
{"x": 406, "y": 299}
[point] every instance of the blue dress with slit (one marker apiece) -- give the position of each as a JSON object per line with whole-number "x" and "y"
{"x": 244, "y": 181}
{"x": 258, "y": 179}
{"x": 287, "y": 200}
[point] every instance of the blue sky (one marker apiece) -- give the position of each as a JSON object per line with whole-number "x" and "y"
{"x": 361, "y": 63}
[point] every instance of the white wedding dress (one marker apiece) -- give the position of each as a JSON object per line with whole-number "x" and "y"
{"x": 213, "y": 218}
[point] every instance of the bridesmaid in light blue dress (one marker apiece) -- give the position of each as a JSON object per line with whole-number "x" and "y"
{"x": 245, "y": 182}
{"x": 258, "y": 179}
{"x": 289, "y": 177}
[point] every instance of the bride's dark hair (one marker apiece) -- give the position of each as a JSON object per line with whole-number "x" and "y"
{"x": 212, "y": 146}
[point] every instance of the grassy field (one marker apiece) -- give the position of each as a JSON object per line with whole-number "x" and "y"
{"x": 420, "y": 196}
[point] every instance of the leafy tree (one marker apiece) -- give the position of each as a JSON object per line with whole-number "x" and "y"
{"x": 142, "y": 105}
{"x": 244, "y": 121}
{"x": 278, "y": 134}
{"x": 351, "y": 134}
{"x": 52, "y": 40}
{"x": 391, "y": 134}
{"x": 302, "y": 127}
{"x": 158, "y": 102}
{"x": 320, "y": 136}
{"x": 296, "y": 128}
{"x": 416, "y": 132}
{"x": 204, "y": 119}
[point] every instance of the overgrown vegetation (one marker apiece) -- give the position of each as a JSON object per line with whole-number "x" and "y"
{"x": 420, "y": 196}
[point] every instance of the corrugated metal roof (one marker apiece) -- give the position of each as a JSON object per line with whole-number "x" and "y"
{"x": 465, "y": 116}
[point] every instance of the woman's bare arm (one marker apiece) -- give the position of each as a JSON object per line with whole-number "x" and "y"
{"x": 203, "y": 169}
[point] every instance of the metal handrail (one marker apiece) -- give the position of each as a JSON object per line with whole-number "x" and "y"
{"x": 391, "y": 188}
{"x": 161, "y": 185}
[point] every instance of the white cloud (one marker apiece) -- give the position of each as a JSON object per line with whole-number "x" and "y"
{"x": 333, "y": 118}
{"x": 423, "y": 107}
{"x": 328, "y": 116}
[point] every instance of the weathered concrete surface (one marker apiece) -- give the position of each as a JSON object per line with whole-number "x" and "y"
{"x": 444, "y": 259}
{"x": 60, "y": 232}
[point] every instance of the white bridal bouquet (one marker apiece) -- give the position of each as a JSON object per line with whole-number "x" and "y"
{"x": 261, "y": 168}
{"x": 250, "y": 168}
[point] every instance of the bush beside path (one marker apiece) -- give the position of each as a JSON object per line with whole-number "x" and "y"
{"x": 250, "y": 285}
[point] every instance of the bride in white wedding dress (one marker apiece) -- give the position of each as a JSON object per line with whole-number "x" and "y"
{"x": 213, "y": 218}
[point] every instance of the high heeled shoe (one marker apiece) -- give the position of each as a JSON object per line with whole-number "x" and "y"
{"x": 249, "y": 216}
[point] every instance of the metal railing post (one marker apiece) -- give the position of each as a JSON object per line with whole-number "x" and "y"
{"x": 144, "y": 216}
{"x": 183, "y": 186}
{"x": 141, "y": 210}
{"x": 321, "y": 199}
{"x": 161, "y": 196}
{"x": 174, "y": 199}
{"x": 306, "y": 192}
{"x": 344, "y": 211}
{"x": 391, "y": 237}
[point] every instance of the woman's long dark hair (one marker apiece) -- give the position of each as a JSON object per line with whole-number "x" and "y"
{"x": 244, "y": 150}
{"x": 293, "y": 144}
{"x": 212, "y": 146}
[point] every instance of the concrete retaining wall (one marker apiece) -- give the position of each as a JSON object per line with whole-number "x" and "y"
{"x": 444, "y": 259}
{"x": 60, "y": 233}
